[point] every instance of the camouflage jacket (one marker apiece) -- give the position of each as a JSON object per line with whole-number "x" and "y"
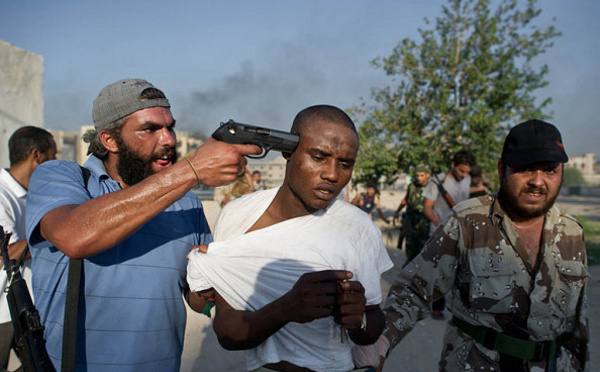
{"x": 478, "y": 257}
{"x": 415, "y": 198}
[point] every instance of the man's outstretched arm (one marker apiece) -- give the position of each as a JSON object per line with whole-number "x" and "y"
{"x": 80, "y": 231}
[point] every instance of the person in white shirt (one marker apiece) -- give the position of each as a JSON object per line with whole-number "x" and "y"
{"x": 296, "y": 270}
{"x": 437, "y": 206}
{"x": 258, "y": 182}
{"x": 28, "y": 147}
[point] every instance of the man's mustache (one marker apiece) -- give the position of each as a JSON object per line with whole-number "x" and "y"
{"x": 534, "y": 190}
{"x": 165, "y": 151}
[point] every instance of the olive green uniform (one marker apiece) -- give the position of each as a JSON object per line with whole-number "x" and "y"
{"x": 415, "y": 225}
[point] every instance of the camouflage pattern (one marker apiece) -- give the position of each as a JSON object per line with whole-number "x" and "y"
{"x": 479, "y": 258}
{"x": 241, "y": 186}
{"x": 414, "y": 223}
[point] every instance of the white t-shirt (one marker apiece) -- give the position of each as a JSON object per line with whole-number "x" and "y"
{"x": 458, "y": 191}
{"x": 251, "y": 270}
{"x": 12, "y": 219}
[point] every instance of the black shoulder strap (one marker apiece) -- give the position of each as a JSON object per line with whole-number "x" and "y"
{"x": 72, "y": 304}
{"x": 86, "y": 176}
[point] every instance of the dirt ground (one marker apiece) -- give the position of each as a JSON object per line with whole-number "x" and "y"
{"x": 420, "y": 350}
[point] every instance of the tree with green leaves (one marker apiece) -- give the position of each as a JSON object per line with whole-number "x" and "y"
{"x": 573, "y": 177}
{"x": 469, "y": 79}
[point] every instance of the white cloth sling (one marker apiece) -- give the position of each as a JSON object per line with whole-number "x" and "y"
{"x": 251, "y": 270}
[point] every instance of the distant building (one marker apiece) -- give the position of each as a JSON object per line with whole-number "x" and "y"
{"x": 187, "y": 142}
{"x": 21, "y": 98}
{"x": 70, "y": 145}
{"x": 272, "y": 172}
{"x": 586, "y": 163}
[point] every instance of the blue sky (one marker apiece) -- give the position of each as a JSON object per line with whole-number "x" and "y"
{"x": 262, "y": 61}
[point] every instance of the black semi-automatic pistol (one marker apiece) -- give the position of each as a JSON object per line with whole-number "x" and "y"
{"x": 268, "y": 139}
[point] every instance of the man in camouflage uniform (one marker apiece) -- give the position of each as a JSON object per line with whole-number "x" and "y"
{"x": 515, "y": 266}
{"x": 242, "y": 185}
{"x": 415, "y": 225}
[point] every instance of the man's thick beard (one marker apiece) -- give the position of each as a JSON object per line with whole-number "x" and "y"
{"x": 133, "y": 167}
{"x": 510, "y": 204}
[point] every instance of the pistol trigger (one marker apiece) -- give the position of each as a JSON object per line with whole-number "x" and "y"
{"x": 261, "y": 156}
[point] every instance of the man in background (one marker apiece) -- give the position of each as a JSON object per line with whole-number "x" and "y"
{"x": 477, "y": 187}
{"x": 369, "y": 200}
{"x": 442, "y": 193}
{"x": 28, "y": 147}
{"x": 243, "y": 185}
{"x": 415, "y": 225}
{"x": 258, "y": 182}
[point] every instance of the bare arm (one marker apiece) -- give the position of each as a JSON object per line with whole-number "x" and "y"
{"x": 15, "y": 249}
{"x": 397, "y": 212}
{"x": 401, "y": 206}
{"x": 312, "y": 297}
{"x": 80, "y": 231}
{"x": 357, "y": 200}
{"x": 429, "y": 213}
{"x": 198, "y": 300}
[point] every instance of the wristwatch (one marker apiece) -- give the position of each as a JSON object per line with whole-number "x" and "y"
{"x": 363, "y": 322}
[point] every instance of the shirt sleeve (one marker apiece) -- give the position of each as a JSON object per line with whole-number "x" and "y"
{"x": 431, "y": 191}
{"x": 426, "y": 278}
{"x": 7, "y": 218}
{"x": 52, "y": 185}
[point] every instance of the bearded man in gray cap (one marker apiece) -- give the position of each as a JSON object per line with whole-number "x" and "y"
{"x": 130, "y": 216}
{"x": 515, "y": 266}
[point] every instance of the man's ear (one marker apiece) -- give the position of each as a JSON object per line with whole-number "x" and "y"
{"x": 37, "y": 156}
{"x": 109, "y": 141}
{"x": 500, "y": 169}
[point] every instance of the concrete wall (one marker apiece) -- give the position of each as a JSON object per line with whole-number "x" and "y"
{"x": 21, "y": 95}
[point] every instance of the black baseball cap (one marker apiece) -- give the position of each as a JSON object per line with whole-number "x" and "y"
{"x": 533, "y": 141}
